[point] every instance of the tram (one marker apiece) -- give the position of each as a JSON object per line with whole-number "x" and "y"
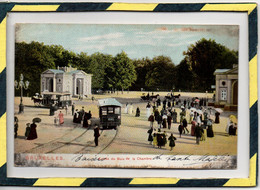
{"x": 109, "y": 113}
{"x": 59, "y": 99}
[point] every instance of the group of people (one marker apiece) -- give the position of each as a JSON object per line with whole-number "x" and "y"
{"x": 30, "y": 131}
{"x": 159, "y": 139}
{"x": 80, "y": 116}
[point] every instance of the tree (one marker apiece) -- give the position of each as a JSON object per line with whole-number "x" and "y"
{"x": 120, "y": 73}
{"x": 97, "y": 65}
{"x": 185, "y": 79}
{"x": 142, "y": 66}
{"x": 205, "y": 57}
{"x": 160, "y": 74}
{"x": 31, "y": 60}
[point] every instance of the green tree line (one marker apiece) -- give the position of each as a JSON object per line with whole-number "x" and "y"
{"x": 193, "y": 73}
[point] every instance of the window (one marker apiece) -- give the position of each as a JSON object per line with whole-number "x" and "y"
{"x": 110, "y": 110}
{"x": 223, "y": 95}
{"x": 117, "y": 110}
{"x": 104, "y": 111}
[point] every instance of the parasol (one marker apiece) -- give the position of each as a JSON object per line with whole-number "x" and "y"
{"x": 199, "y": 111}
{"x": 218, "y": 110}
{"x": 193, "y": 109}
{"x": 233, "y": 118}
{"x": 197, "y": 100}
{"x": 36, "y": 120}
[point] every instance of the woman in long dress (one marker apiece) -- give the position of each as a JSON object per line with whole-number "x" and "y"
{"x": 193, "y": 125}
{"x": 148, "y": 110}
{"x": 61, "y": 118}
{"x": 172, "y": 141}
{"x": 33, "y": 134}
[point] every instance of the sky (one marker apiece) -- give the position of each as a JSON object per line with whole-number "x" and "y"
{"x": 138, "y": 41}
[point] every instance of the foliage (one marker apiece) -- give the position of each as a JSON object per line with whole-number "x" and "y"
{"x": 160, "y": 74}
{"x": 194, "y": 73}
{"x": 204, "y": 57}
{"x": 120, "y": 72}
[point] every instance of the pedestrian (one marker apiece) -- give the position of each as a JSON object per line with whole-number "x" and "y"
{"x": 15, "y": 127}
{"x": 164, "y": 122}
{"x": 148, "y": 110}
{"x": 85, "y": 120}
{"x": 160, "y": 141}
{"x": 217, "y": 117}
{"x": 130, "y": 110}
{"x": 158, "y": 102}
{"x": 126, "y": 108}
{"x": 172, "y": 140}
{"x": 185, "y": 124}
{"x": 33, "y": 134}
{"x": 210, "y": 132}
{"x": 191, "y": 115}
{"x": 137, "y": 114}
{"x": 66, "y": 108}
{"x": 73, "y": 108}
{"x": 232, "y": 129}
{"x": 169, "y": 121}
{"x": 174, "y": 116}
{"x": 96, "y": 135}
{"x": 159, "y": 121}
{"x": 55, "y": 121}
{"x": 198, "y": 133}
{"x": 61, "y": 118}
{"x": 164, "y": 104}
{"x": 76, "y": 117}
{"x": 154, "y": 138}
{"x": 193, "y": 125}
{"x": 180, "y": 129}
{"x": 169, "y": 104}
{"x": 151, "y": 119}
{"x": 27, "y": 130}
{"x": 150, "y": 137}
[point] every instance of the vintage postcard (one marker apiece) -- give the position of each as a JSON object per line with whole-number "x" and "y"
{"x": 126, "y": 96}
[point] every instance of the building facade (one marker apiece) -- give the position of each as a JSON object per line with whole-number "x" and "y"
{"x": 66, "y": 80}
{"x": 226, "y": 94}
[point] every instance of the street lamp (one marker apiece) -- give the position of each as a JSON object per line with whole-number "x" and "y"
{"x": 206, "y": 98}
{"x": 22, "y": 85}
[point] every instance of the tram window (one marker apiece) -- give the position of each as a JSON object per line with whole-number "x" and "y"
{"x": 110, "y": 110}
{"x": 117, "y": 110}
{"x": 104, "y": 111}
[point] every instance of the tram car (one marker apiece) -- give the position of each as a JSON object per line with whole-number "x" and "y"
{"x": 109, "y": 113}
{"x": 59, "y": 99}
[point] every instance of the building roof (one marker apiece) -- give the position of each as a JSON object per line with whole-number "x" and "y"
{"x": 226, "y": 71}
{"x": 109, "y": 102}
{"x": 217, "y": 71}
{"x": 56, "y": 71}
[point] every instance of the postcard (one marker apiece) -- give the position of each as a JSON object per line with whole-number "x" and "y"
{"x": 126, "y": 96}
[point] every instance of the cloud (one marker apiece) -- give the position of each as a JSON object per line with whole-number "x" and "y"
{"x": 101, "y": 37}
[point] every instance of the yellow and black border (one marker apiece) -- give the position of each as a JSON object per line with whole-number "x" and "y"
{"x": 250, "y": 8}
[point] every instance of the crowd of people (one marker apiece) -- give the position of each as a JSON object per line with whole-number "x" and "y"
{"x": 199, "y": 117}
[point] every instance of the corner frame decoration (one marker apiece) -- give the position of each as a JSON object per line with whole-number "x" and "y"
{"x": 250, "y": 8}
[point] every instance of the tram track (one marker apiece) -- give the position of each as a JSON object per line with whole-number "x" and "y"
{"x": 50, "y": 143}
{"x": 109, "y": 142}
{"x": 55, "y": 146}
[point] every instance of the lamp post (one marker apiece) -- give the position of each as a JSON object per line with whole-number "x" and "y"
{"x": 22, "y": 85}
{"x": 206, "y": 98}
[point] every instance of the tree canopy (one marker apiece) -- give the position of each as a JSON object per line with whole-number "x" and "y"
{"x": 193, "y": 73}
{"x": 204, "y": 57}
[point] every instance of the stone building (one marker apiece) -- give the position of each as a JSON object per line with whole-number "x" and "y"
{"x": 66, "y": 80}
{"x": 226, "y": 94}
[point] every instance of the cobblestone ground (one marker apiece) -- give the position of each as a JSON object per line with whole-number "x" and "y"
{"x": 131, "y": 137}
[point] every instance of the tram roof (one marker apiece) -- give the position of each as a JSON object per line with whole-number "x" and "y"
{"x": 109, "y": 102}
